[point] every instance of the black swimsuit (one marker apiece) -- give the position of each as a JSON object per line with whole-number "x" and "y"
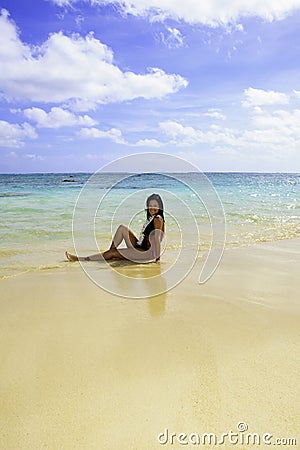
{"x": 145, "y": 244}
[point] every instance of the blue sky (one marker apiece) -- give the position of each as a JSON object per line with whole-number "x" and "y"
{"x": 85, "y": 82}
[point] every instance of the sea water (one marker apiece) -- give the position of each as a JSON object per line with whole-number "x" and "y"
{"x": 37, "y": 212}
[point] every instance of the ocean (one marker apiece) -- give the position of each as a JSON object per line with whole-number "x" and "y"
{"x": 37, "y": 212}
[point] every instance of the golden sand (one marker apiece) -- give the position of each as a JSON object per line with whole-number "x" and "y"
{"x": 84, "y": 369}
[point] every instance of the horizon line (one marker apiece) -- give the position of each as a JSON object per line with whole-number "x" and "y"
{"x": 126, "y": 172}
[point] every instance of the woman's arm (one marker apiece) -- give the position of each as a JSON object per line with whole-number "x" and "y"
{"x": 158, "y": 232}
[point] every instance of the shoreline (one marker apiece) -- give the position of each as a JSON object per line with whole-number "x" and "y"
{"x": 60, "y": 264}
{"x": 85, "y": 369}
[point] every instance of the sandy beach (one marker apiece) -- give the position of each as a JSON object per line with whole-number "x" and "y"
{"x": 84, "y": 369}
{"x": 171, "y": 128}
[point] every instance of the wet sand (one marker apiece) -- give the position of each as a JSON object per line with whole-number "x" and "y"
{"x": 84, "y": 369}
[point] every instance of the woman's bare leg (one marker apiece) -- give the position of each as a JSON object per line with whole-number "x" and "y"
{"x": 123, "y": 233}
{"x": 72, "y": 258}
{"x": 130, "y": 254}
{"x": 109, "y": 254}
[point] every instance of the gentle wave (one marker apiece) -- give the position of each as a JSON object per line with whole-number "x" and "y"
{"x": 16, "y": 273}
{"x": 14, "y": 194}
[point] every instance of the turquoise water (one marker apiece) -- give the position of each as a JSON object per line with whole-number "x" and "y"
{"x": 37, "y": 210}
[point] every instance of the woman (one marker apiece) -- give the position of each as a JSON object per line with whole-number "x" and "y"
{"x": 145, "y": 248}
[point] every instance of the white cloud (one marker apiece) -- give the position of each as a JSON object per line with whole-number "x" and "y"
{"x": 296, "y": 93}
{"x": 34, "y": 157}
{"x": 269, "y": 130}
{"x": 64, "y": 2}
{"x": 12, "y": 135}
{"x": 269, "y": 133}
{"x": 186, "y": 135}
{"x": 258, "y": 97}
{"x": 277, "y": 132}
{"x": 212, "y": 12}
{"x": 215, "y": 114}
{"x": 94, "y": 133}
{"x": 181, "y": 135}
{"x": 57, "y": 117}
{"x": 60, "y": 71}
{"x": 172, "y": 38}
{"x": 116, "y": 136}
{"x": 282, "y": 123}
{"x": 149, "y": 143}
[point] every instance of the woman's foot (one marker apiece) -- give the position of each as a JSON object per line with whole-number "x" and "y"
{"x": 71, "y": 257}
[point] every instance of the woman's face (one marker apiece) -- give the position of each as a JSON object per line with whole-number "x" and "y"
{"x": 153, "y": 207}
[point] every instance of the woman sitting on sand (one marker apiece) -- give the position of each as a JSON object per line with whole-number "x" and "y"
{"x": 145, "y": 248}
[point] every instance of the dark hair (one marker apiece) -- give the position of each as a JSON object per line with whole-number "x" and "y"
{"x": 156, "y": 197}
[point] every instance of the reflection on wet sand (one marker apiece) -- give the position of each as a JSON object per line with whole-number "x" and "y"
{"x": 148, "y": 280}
